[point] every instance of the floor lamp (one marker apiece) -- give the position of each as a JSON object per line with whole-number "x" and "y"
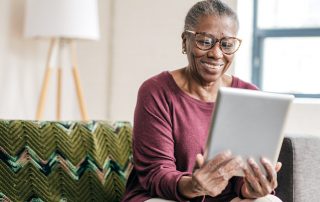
{"x": 63, "y": 22}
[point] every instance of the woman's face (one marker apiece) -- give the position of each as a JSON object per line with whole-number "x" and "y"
{"x": 208, "y": 66}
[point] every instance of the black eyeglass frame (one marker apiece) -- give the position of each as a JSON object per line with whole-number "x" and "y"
{"x": 217, "y": 41}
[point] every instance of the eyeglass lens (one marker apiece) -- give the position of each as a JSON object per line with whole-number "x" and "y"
{"x": 227, "y": 45}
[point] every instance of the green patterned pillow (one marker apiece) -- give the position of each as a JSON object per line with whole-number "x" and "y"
{"x": 64, "y": 161}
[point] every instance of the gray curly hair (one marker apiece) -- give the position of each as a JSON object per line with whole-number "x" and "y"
{"x": 205, "y": 8}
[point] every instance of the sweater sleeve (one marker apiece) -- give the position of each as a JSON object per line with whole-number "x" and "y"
{"x": 153, "y": 143}
{"x": 238, "y": 182}
{"x": 238, "y": 83}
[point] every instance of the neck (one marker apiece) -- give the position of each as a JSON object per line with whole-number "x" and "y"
{"x": 196, "y": 88}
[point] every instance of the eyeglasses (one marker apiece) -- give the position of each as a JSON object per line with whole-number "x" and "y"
{"x": 205, "y": 41}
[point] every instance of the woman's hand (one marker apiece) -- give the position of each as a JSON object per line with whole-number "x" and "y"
{"x": 256, "y": 184}
{"x": 211, "y": 178}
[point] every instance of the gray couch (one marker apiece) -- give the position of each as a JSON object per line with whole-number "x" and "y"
{"x": 299, "y": 178}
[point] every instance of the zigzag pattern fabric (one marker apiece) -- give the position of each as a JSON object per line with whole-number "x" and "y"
{"x": 64, "y": 161}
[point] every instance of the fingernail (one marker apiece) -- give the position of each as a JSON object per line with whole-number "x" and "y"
{"x": 264, "y": 160}
{"x": 228, "y": 152}
{"x": 250, "y": 160}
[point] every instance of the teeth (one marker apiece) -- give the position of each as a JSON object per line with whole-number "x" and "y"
{"x": 211, "y": 66}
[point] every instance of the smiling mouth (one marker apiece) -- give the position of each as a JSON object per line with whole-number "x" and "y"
{"x": 214, "y": 66}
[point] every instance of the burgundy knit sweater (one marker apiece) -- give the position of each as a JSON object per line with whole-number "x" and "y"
{"x": 170, "y": 129}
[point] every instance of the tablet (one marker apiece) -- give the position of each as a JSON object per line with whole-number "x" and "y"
{"x": 249, "y": 123}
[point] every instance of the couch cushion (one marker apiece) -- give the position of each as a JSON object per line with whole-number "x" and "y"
{"x": 64, "y": 161}
{"x": 285, "y": 176}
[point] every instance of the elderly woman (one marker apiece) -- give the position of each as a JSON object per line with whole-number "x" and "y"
{"x": 172, "y": 118}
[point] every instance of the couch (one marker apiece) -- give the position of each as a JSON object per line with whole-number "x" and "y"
{"x": 90, "y": 161}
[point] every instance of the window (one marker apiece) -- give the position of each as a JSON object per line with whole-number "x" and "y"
{"x": 286, "y": 46}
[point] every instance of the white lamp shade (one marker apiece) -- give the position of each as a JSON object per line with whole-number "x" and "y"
{"x": 62, "y": 18}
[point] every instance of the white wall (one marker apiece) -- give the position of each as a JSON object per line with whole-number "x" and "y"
{"x": 139, "y": 39}
{"x": 243, "y": 55}
{"x": 22, "y": 65}
{"x": 304, "y": 117}
{"x": 147, "y": 41}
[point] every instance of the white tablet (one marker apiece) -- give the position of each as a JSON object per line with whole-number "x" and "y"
{"x": 249, "y": 123}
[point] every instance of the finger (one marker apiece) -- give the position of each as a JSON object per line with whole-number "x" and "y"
{"x": 278, "y": 166}
{"x": 262, "y": 180}
{"x": 252, "y": 181}
{"x": 218, "y": 160}
{"x": 271, "y": 172}
{"x": 205, "y": 155}
{"x": 265, "y": 185}
{"x": 199, "y": 161}
{"x": 249, "y": 191}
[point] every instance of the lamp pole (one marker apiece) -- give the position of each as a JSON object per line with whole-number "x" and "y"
{"x": 59, "y": 44}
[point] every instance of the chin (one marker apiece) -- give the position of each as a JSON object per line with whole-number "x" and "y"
{"x": 209, "y": 78}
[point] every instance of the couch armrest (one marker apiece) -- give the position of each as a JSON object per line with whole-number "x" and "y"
{"x": 299, "y": 177}
{"x": 285, "y": 175}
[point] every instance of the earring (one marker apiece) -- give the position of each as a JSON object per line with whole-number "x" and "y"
{"x": 184, "y": 50}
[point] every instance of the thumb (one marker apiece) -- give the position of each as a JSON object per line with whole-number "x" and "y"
{"x": 278, "y": 166}
{"x": 199, "y": 160}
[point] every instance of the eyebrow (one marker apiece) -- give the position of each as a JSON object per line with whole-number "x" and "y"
{"x": 206, "y": 33}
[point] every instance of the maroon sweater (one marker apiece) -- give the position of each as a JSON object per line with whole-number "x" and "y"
{"x": 170, "y": 129}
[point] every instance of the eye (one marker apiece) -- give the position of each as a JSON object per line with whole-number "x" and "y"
{"x": 204, "y": 41}
{"x": 228, "y": 43}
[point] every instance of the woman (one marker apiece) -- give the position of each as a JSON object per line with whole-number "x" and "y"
{"x": 172, "y": 118}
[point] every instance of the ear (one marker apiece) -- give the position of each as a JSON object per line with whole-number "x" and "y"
{"x": 183, "y": 35}
{"x": 184, "y": 40}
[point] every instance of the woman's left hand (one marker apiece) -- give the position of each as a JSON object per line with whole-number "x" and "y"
{"x": 256, "y": 184}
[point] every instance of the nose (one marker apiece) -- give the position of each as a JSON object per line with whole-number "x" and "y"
{"x": 215, "y": 52}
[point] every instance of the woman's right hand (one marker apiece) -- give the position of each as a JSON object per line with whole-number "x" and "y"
{"x": 212, "y": 177}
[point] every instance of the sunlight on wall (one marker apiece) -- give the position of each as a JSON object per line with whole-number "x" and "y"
{"x": 243, "y": 56}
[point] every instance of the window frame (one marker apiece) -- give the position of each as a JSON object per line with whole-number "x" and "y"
{"x": 259, "y": 36}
